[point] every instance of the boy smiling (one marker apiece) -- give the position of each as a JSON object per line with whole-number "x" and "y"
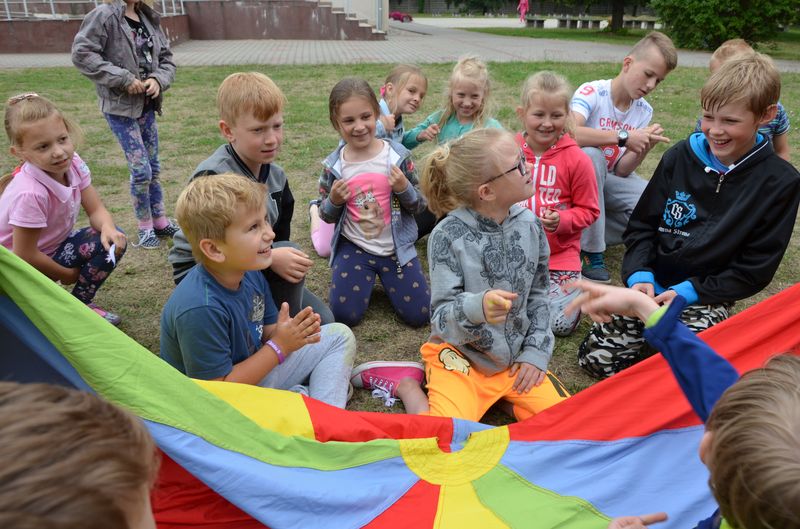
{"x": 715, "y": 219}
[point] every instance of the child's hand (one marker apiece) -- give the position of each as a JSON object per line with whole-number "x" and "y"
{"x": 666, "y": 297}
{"x": 637, "y": 522}
{"x": 388, "y": 122}
{"x": 111, "y": 235}
{"x": 152, "y": 88}
{"x": 601, "y": 301}
{"x": 293, "y": 333}
{"x": 290, "y": 264}
{"x": 550, "y": 220}
{"x": 136, "y": 87}
{"x": 497, "y": 304}
{"x": 428, "y": 134}
{"x": 528, "y": 376}
{"x": 340, "y": 193}
{"x": 645, "y": 288}
{"x": 398, "y": 180}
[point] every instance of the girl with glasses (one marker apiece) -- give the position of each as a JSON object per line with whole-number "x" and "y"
{"x": 490, "y": 320}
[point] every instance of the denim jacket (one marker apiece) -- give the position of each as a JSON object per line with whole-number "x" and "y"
{"x": 104, "y": 51}
{"x": 404, "y": 205}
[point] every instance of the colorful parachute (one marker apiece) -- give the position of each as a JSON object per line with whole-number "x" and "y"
{"x": 239, "y": 456}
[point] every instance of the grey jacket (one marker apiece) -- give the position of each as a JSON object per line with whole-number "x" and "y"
{"x": 103, "y": 50}
{"x": 280, "y": 203}
{"x": 404, "y": 205}
{"x": 468, "y": 255}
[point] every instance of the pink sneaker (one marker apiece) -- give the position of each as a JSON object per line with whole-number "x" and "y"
{"x": 385, "y": 375}
{"x": 110, "y": 317}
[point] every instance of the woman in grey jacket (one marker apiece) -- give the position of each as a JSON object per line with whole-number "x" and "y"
{"x": 122, "y": 49}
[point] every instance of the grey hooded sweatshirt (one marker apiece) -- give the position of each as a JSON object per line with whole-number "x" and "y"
{"x": 468, "y": 255}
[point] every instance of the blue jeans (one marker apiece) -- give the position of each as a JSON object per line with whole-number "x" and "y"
{"x": 83, "y": 249}
{"x": 139, "y": 141}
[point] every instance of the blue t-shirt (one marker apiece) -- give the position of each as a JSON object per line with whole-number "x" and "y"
{"x": 206, "y": 328}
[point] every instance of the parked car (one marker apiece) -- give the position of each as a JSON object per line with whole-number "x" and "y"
{"x": 399, "y": 15}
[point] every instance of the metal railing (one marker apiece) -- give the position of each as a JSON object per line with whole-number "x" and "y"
{"x": 71, "y": 9}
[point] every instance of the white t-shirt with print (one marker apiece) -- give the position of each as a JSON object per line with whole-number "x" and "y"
{"x": 593, "y": 101}
{"x": 367, "y": 222}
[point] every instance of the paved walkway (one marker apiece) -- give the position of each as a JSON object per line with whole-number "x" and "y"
{"x": 410, "y": 42}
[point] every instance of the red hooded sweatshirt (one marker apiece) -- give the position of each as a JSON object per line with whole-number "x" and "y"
{"x": 565, "y": 182}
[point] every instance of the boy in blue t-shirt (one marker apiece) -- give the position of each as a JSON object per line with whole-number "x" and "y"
{"x": 220, "y": 323}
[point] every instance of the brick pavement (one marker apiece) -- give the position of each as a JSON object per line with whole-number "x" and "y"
{"x": 410, "y": 42}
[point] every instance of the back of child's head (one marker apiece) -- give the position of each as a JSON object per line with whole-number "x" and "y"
{"x": 70, "y": 460}
{"x": 472, "y": 70}
{"x": 726, "y": 50}
{"x": 25, "y": 109}
{"x": 750, "y": 78}
{"x": 209, "y": 204}
{"x": 549, "y": 84}
{"x": 399, "y": 76}
{"x": 655, "y": 40}
{"x": 754, "y": 451}
{"x": 348, "y": 88}
{"x": 249, "y": 94}
{"x": 454, "y": 170}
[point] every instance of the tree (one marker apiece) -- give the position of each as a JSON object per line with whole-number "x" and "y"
{"x": 705, "y": 24}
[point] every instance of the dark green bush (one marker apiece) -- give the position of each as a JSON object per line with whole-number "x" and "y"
{"x": 705, "y": 24}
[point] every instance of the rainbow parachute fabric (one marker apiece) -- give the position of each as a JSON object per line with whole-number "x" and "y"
{"x": 239, "y": 456}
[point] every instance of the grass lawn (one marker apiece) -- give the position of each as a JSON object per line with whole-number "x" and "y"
{"x": 188, "y": 133}
{"x": 785, "y": 46}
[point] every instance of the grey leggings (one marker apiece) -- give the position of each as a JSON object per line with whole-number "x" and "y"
{"x": 324, "y": 366}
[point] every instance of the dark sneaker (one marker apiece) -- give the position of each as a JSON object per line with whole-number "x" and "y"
{"x": 167, "y": 231}
{"x": 593, "y": 267}
{"x": 148, "y": 240}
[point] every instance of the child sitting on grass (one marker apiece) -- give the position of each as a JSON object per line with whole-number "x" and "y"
{"x": 714, "y": 220}
{"x": 220, "y": 322}
{"x": 751, "y": 445}
{"x": 41, "y": 200}
{"x": 490, "y": 324}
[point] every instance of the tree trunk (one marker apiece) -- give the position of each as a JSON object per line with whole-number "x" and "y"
{"x": 617, "y": 13}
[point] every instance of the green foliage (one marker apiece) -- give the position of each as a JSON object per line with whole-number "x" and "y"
{"x": 705, "y": 24}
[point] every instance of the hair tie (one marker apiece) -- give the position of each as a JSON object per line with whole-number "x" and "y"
{"x": 383, "y": 90}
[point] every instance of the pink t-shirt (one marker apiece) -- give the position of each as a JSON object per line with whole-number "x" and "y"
{"x": 33, "y": 199}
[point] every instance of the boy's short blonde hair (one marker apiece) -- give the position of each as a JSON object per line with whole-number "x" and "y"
{"x": 248, "y": 93}
{"x": 209, "y": 205}
{"x": 754, "y": 454}
{"x": 70, "y": 459}
{"x": 660, "y": 42}
{"x": 729, "y": 48}
{"x": 750, "y": 77}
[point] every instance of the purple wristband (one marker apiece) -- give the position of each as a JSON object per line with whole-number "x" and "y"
{"x": 278, "y": 352}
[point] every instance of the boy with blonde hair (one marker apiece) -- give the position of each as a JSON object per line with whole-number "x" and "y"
{"x": 72, "y": 460}
{"x": 751, "y": 445}
{"x": 220, "y": 323}
{"x": 776, "y": 130}
{"x": 250, "y": 108}
{"x": 613, "y": 128}
{"x": 715, "y": 219}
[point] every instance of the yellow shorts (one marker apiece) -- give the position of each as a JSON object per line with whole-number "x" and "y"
{"x": 457, "y": 389}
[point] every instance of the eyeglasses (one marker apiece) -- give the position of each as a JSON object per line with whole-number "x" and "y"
{"x": 22, "y": 97}
{"x": 522, "y": 167}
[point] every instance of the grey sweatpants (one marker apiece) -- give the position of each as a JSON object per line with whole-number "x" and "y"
{"x": 617, "y": 196}
{"x": 324, "y": 366}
